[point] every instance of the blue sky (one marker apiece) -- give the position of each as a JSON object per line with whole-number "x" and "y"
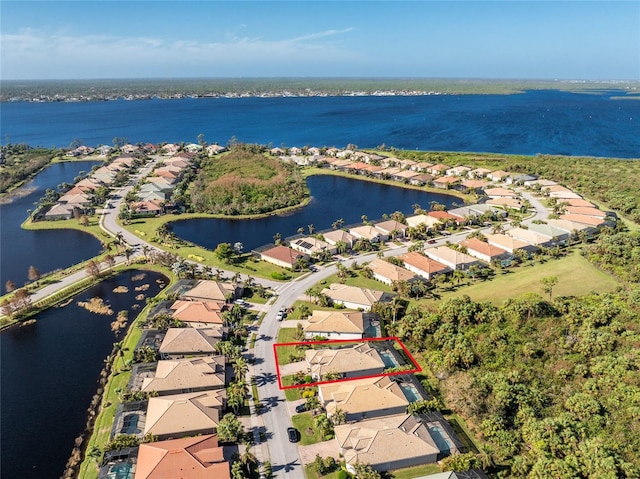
{"x": 446, "y": 39}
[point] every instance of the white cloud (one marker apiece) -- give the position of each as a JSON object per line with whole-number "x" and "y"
{"x": 39, "y": 54}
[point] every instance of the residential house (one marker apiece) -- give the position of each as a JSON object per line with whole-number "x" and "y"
{"x": 189, "y": 342}
{"x": 541, "y": 182}
{"x": 387, "y": 443}
{"x": 443, "y": 216}
{"x": 585, "y": 210}
{"x": 60, "y": 211}
{"x": 335, "y": 325}
{"x": 81, "y": 200}
{"x": 558, "y": 235}
{"x": 198, "y": 313}
{"x": 150, "y": 208}
{"x": 578, "y": 202}
{"x": 458, "y": 171}
{"x": 572, "y": 226}
{"x": 389, "y": 273}
{"x": 170, "y": 148}
{"x": 364, "y": 398}
{"x": 369, "y": 232}
{"x": 392, "y": 228}
{"x": 180, "y": 415}
{"x": 500, "y": 193}
{"x": 509, "y": 243}
{"x": 283, "y": 256}
{"x": 215, "y": 149}
{"x": 310, "y": 246}
{"x": 445, "y": 182}
{"x": 350, "y": 362}
{"x": 354, "y": 297}
{"x": 209, "y": 290}
{"x": 405, "y": 175}
{"x": 423, "y": 265}
{"x": 438, "y": 170}
{"x": 532, "y": 237}
{"x": 479, "y": 173}
{"x": 484, "y": 251}
{"x": 454, "y": 259}
{"x": 334, "y": 236}
{"x": 176, "y": 376}
{"x": 584, "y": 219}
{"x": 498, "y": 175}
{"x": 421, "y": 179}
{"x": 193, "y": 147}
{"x": 506, "y": 203}
{"x": 474, "y": 185}
{"x": 429, "y": 221}
{"x": 197, "y": 457}
{"x": 564, "y": 194}
{"x": 519, "y": 179}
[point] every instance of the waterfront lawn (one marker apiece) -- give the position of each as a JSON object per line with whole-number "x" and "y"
{"x": 576, "y": 277}
{"x": 309, "y": 434}
{"x": 93, "y": 226}
{"x": 146, "y": 228}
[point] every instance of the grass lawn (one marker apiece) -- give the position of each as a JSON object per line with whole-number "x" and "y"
{"x": 311, "y": 473}
{"x": 286, "y": 335}
{"x": 576, "y": 277}
{"x": 291, "y": 394}
{"x": 92, "y": 227}
{"x": 146, "y": 228}
{"x": 304, "y": 424}
{"x": 415, "y": 471}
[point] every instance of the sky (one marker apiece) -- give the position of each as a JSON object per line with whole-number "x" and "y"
{"x": 508, "y": 39}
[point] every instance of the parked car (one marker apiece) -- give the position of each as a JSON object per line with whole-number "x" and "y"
{"x": 240, "y": 302}
{"x": 293, "y": 434}
{"x": 280, "y": 316}
{"x": 301, "y": 408}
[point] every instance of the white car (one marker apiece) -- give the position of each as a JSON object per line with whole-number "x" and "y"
{"x": 280, "y": 315}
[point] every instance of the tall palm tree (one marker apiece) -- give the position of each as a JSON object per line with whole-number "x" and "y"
{"x": 240, "y": 367}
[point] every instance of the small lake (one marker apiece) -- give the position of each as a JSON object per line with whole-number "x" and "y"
{"x": 46, "y": 250}
{"x": 49, "y": 373}
{"x": 333, "y": 197}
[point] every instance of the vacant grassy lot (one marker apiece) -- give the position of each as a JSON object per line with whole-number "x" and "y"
{"x": 576, "y": 277}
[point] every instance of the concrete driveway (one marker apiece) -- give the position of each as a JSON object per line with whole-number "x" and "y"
{"x": 325, "y": 448}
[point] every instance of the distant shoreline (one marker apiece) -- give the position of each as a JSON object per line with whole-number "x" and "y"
{"x": 43, "y": 91}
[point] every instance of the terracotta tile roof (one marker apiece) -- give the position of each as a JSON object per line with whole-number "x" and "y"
{"x": 390, "y": 271}
{"x": 189, "y": 458}
{"x": 198, "y": 311}
{"x": 442, "y": 215}
{"x": 284, "y": 254}
{"x": 587, "y": 220}
{"x": 190, "y": 341}
{"x": 482, "y": 247}
{"x": 423, "y": 263}
{"x": 353, "y": 294}
{"x": 208, "y": 290}
{"x": 585, "y": 210}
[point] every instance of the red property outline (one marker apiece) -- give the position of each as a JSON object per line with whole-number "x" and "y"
{"x": 416, "y": 368}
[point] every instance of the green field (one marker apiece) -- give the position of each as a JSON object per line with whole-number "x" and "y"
{"x": 309, "y": 434}
{"x": 576, "y": 277}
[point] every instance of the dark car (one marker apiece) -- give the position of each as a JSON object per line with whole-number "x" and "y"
{"x": 301, "y": 408}
{"x": 293, "y": 434}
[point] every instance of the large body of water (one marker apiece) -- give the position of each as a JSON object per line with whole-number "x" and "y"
{"x": 46, "y": 250}
{"x": 551, "y": 122}
{"x": 333, "y": 198}
{"x": 49, "y": 372}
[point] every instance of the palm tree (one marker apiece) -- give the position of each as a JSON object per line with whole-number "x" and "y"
{"x": 311, "y": 228}
{"x": 248, "y": 459}
{"x": 240, "y": 367}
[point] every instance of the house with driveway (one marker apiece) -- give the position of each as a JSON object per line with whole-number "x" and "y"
{"x": 484, "y": 251}
{"x": 423, "y": 265}
{"x": 217, "y": 291}
{"x": 335, "y": 325}
{"x": 198, "y": 313}
{"x": 354, "y": 297}
{"x": 387, "y": 443}
{"x": 310, "y": 246}
{"x": 189, "y": 342}
{"x": 333, "y": 237}
{"x": 388, "y": 273}
{"x": 363, "y": 398}
{"x": 183, "y": 415}
{"x": 369, "y": 232}
{"x": 393, "y": 228}
{"x": 348, "y": 362}
{"x": 454, "y": 259}
{"x": 283, "y": 256}
{"x": 532, "y": 237}
{"x": 177, "y": 376}
{"x": 509, "y": 243}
